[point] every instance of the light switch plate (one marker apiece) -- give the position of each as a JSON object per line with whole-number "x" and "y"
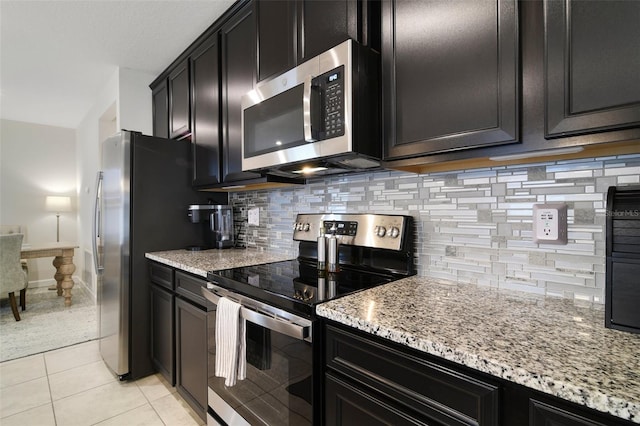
{"x": 253, "y": 217}
{"x": 550, "y": 223}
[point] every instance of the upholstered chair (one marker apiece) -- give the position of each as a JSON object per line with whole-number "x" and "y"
{"x": 16, "y": 229}
{"x": 12, "y": 277}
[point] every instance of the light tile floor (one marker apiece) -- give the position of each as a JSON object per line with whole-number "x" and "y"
{"x": 72, "y": 386}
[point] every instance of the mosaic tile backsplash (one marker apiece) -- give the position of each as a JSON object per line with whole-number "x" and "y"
{"x": 473, "y": 226}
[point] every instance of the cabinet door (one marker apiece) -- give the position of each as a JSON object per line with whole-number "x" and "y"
{"x": 324, "y": 24}
{"x": 162, "y": 343}
{"x": 205, "y": 111}
{"x": 179, "y": 101}
{"x": 191, "y": 355}
{"x": 541, "y": 414}
{"x": 160, "y": 105}
{"x": 238, "y": 77}
{"x": 592, "y": 66}
{"x": 450, "y": 75}
{"x": 276, "y": 29}
{"x": 347, "y": 405}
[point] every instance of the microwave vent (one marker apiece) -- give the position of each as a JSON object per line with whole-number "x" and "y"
{"x": 359, "y": 163}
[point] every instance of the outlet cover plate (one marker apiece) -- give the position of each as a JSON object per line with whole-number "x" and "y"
{"x": 550, "y": 223}
{"x": 253, "y": 217}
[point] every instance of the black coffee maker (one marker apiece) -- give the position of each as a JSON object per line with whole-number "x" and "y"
{"x": 217, "y": 223}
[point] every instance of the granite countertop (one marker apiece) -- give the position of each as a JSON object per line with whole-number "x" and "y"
{"x": 557, "y": 346}
{"x": 200, "y": 262}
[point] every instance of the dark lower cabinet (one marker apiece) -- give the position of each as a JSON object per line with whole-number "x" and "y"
{"x": 191, "y": 355}
{"x": 162, "y": 312}
{"x": 346, "y": 404}
{"x": 592, "y": 66}
{"x": 368, "y": 380}
{"x": 162, "y": 343}
{"x": 362, "y": 372}
{"x": 179, "y": 333}
{"x": 541, "y": 414}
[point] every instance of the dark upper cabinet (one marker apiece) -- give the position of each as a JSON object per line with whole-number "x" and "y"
{"x": 324, "y": 24}
{"x": 451, "y": 77}
{"x": 275, "y": 29}
{"x": 160, "y": 105}
{"x": 238, "y": 65}
{"x": 592, "y": 66}
{"x": 205, "y": 112}
{"x": 290, "y": 32}
{"x": 179, "y": 101}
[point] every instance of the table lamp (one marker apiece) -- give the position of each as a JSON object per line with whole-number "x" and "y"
{"x": 58, "y": 204}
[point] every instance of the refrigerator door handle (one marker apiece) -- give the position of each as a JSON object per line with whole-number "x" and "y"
{"x": 96, "y": 224}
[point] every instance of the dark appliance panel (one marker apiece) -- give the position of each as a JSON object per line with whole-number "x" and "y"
{"x": 622, "y": 289}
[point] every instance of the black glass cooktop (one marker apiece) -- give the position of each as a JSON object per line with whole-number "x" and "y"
{"x": 295, "y": 285}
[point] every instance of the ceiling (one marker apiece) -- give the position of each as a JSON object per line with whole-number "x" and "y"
{"x": 56, "y": 56}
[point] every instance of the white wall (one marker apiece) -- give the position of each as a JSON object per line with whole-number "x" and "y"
{"x": 36, "y": 161}
{"x": 123, "y": 103}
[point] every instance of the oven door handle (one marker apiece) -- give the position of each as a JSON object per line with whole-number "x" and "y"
{"x": 283, "y": 326}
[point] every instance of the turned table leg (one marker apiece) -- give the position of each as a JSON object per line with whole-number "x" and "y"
{"x": 64, "y": 271}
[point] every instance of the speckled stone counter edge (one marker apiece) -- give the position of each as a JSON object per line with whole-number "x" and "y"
{"x": 339, "y": 310}
{"x": 199, "y": 263}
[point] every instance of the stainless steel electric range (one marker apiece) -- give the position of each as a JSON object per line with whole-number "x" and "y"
{"x": 278, "y": 304}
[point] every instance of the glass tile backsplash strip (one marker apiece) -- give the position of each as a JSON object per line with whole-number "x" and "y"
{"x": 473, "y": 226}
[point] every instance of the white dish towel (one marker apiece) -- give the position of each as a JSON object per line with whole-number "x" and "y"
{"x": 231, "y": 358}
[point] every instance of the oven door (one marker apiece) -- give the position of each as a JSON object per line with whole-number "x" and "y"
{"x": 278, "y": 389}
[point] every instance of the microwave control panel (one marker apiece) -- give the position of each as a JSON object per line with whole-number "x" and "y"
{"x": 330, "y": 86}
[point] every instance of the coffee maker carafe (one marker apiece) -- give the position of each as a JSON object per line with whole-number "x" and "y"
{"x": 217, "y": 221}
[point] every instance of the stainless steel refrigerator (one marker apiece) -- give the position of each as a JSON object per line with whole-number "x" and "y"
{"x": 142, "y": 197}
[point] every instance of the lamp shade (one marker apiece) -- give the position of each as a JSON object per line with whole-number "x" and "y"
{"x": 58, "y": 204}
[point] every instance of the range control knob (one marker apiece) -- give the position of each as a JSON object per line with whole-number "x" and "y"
{"x": 394, "y": 232}
{"x": 306, "y": 227}
{"x": 295, "y": 226}
{"x": 380, "y": 231}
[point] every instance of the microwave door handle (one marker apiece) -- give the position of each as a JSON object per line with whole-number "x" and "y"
{"x": 306, "y": 109}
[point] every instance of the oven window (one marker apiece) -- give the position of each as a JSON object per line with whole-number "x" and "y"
{"x": 274, "y": 124}
{"x": 278, "y": 387}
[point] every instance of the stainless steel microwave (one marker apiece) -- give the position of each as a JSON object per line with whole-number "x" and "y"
{"x": 322, "y": 116}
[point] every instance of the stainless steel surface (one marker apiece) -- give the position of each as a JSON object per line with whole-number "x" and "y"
{"x": 374, "y": 230}
{"x": 96, "y": 231}
{"x": 306, "y": 109}
{"x": 333, "y": 58}
{"x": 332, "y": 257}
{"x": 224, "y": 410}
{"x": 114, "y": 288}
{"x": 262, "y": 314}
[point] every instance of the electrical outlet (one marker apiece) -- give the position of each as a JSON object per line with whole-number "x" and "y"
{"x": 550, "y": 223}
{"x": 253, "y": 216}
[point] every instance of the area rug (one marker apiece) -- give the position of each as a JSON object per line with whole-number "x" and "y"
{"x": 47, "y": 324}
